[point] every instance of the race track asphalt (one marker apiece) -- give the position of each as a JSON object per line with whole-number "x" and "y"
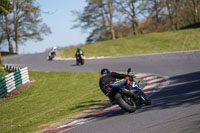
{"x": 175, "y": 109}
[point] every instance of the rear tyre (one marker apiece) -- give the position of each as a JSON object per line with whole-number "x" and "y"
{"x": 50, "y": 58}
{"x": 123, "y": 103}
{"x": 77, "y": 63}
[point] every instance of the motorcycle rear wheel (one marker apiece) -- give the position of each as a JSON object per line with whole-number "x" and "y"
{"x": 77, "y": 63}
{"x": 125, "y": 105}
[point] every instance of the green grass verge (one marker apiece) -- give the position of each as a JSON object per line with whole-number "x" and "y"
{"x": 142, "y": 44}
{"x": 3, "y": 72}
{"x": 54, "y": 95}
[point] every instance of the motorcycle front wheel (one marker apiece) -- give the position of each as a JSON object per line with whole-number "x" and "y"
{"x": 50, "y": 58}
{"x": 125, "y": 103}
{"x": 146, "y": 99}
{"x": 82, "y": 62}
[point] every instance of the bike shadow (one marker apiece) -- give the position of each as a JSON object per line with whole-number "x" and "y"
{"x": 73, "y": 65}
{"x": 182, "y": 90}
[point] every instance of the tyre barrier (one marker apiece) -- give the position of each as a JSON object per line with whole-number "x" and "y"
{"x": 13, "y": 80}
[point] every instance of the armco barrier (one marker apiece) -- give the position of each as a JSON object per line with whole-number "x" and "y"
{"x": 13, "y": 80}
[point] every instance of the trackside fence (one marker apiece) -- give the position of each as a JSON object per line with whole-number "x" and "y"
{"x": 13, "y": 80}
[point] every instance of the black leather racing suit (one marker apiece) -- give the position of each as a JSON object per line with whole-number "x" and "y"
{"x": 110, "y": 78}
{"x": 79, "y": 53}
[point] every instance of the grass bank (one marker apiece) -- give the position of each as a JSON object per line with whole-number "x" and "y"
{"x": 171, "y": 41}
{"x": 54, "y": 95}
{"x": 3, "y": 72}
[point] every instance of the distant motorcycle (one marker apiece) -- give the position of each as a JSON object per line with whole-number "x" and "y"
{"x": 129, "y": 96}
{"x": 51, "y": 55}
{"x": 80, "y": 59}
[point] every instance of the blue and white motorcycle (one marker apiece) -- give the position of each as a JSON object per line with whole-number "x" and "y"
{"x": 129, "y": 95}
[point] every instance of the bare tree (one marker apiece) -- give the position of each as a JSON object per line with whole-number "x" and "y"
{"x": 8, "y": 34}
{"x": 110, "y": 19}
{"x": 97, "y": 17}
{"x": 173, "y": 8}
{"x": 128, "y": 8}
{"x": 170, "y": 11}
{"x": 194, "y": 8}
{"x": 109, "y": 9}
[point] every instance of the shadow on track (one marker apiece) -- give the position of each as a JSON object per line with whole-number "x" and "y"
{"x": 183, "y": 93}
{"x": 73, "y": 65}
{"x": 183, "y": 89}
{"x": 97, "y": 110}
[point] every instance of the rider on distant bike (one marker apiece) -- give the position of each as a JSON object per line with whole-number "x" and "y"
{"x": 53, "y": 51}
{"x": 79, "y": 52}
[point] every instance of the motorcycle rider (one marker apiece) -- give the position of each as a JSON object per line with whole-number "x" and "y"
{"x": 108, "y": 77}
{"x": 53, "y": 51}
{"x": 79, "y": 56}
{"x": 79, "y": 52}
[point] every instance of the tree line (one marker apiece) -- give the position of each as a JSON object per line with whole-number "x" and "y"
{"x": 111, "y": 19}
{"x": 20, "y": 20}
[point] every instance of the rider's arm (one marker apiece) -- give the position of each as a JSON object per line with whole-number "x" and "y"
{"x": 118, "y": 76}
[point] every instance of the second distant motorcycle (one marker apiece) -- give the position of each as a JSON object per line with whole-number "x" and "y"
{"x": 80, "y": 58}
{"x": 51, "y": 54}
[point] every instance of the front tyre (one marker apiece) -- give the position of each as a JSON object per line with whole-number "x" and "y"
{"x": 146, "y": 99}
{"x": 50, "y": 58}
{"x": 147, "y": 102}
{"x": 123, "y": 102}
{"x": 82, "y": 62}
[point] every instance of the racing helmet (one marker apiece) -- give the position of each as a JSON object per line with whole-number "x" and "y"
{"x": 104, "y": 71}
{"x": 54, "y": 48}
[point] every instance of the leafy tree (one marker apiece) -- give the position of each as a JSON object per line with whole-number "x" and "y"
{"x": 27, "y": 22}
{"x": 24, "y": 23}
{"x": 5, "y": 7}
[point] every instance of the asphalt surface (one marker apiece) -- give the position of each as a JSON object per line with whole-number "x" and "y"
{"x": 175, "y": 109}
